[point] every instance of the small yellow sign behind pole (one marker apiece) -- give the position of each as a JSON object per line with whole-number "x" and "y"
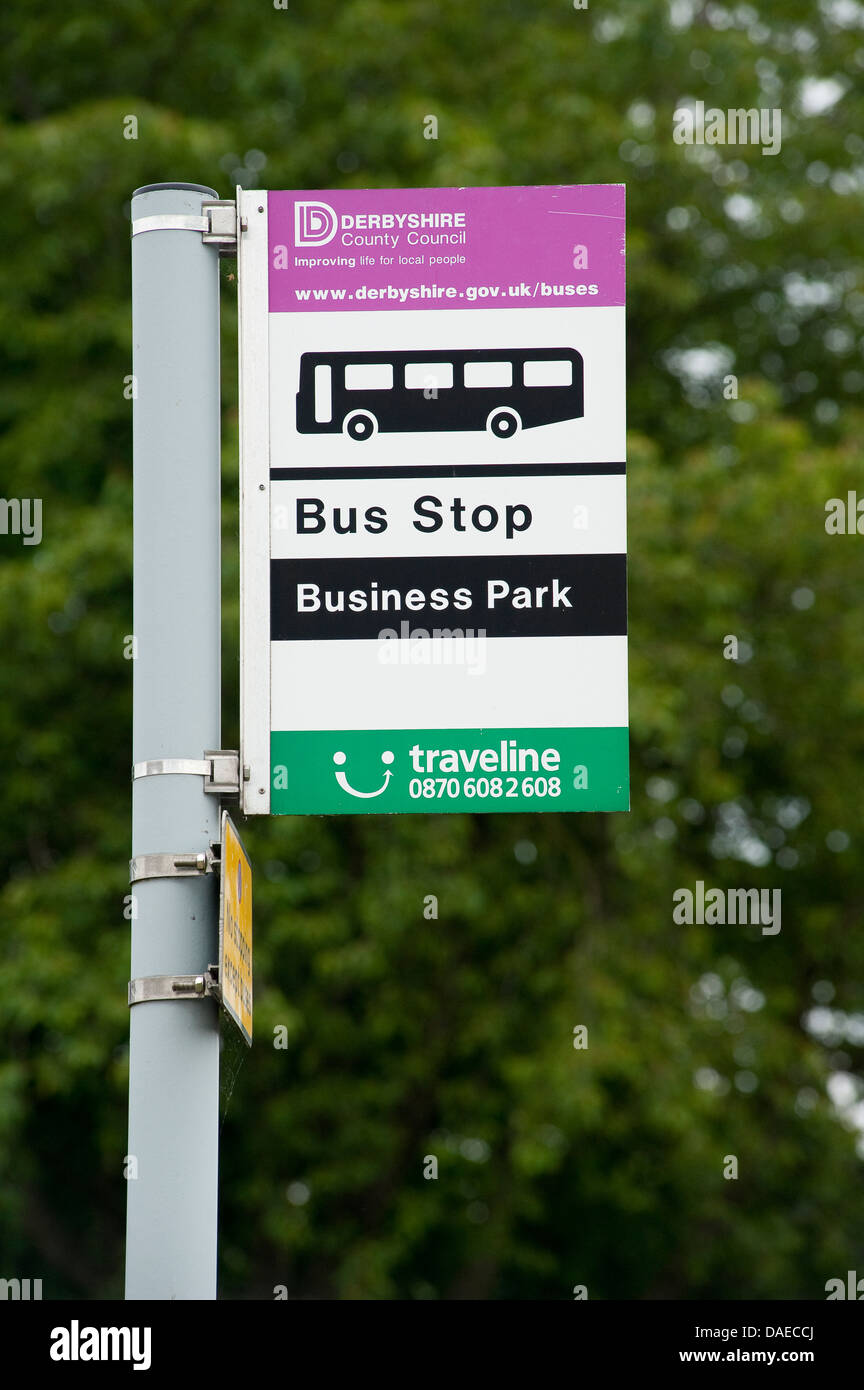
{"x": 235, "y": 929}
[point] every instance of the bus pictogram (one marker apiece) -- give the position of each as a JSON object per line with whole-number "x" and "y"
{"x": 502, "y": 390}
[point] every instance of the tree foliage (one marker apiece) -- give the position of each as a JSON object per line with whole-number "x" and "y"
{"x": 408, "y": 1037}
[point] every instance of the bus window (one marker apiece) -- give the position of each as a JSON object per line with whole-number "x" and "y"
{"x": 420, "y": 375}
{"x": 369, "y": 376}
{"x": 323, "y": 395}
{"x": 552, "y": 373}
{"x": 488, "y": 374}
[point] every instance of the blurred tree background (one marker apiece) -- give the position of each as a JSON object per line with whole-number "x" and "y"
{"x": 454, "y": 1038}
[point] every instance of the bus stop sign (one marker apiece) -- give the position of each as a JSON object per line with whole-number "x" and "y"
{"x": 433, "y": 514}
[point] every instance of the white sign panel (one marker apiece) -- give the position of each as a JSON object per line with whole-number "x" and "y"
{"x": 433, "y": 500}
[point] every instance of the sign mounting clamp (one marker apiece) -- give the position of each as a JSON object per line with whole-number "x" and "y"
{"x": 219, "y": 768}
{"x": 148, "y": 988}
{"x": 169, "y": 865}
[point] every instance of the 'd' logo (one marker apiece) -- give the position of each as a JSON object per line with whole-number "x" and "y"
{"x": 314, "y": 224}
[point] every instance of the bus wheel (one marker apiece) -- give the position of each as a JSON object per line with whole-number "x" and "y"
{"x": 360, "y": 425}
{"x": 504, "y": 423}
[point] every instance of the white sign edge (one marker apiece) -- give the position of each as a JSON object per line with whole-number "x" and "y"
{"x": 254, "y": 423}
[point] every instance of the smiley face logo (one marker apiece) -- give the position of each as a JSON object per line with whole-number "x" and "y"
{"x": 340, "y": 759}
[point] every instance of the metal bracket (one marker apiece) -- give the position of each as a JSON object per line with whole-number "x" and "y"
{"x": 218, "y": 224}
{"x": 220, "y": 769}
{"x": 222, "y": 229}
{"x": 150, "y": 987}
{"x": 170, "y": 222}
{"x": 174, "y": 865}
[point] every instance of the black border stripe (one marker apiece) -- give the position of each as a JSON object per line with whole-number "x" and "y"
{"x": 471, "y": 470}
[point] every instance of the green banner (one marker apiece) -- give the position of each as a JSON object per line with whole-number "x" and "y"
{"x": 382, "y": 770}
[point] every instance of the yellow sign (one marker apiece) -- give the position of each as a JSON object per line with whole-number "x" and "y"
{"x": 235, "y": 929}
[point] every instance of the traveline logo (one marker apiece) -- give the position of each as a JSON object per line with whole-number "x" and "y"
{"x": 76, "y": 1343}
{"x": 317, "y": 223}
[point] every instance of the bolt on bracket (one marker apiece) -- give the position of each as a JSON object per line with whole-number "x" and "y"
{"x": 147, "y": 988}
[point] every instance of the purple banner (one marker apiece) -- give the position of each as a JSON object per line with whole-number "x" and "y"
{"x": 446, "y": 248}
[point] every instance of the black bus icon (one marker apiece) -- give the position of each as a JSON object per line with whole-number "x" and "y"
{"x": 499, "y": 389}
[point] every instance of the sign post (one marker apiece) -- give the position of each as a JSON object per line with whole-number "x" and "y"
{"x": 172, "y": 1162}
{"x": 433, "y": 611}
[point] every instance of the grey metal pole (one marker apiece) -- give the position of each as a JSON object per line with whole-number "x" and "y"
{"x": 172, "y": 1163}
